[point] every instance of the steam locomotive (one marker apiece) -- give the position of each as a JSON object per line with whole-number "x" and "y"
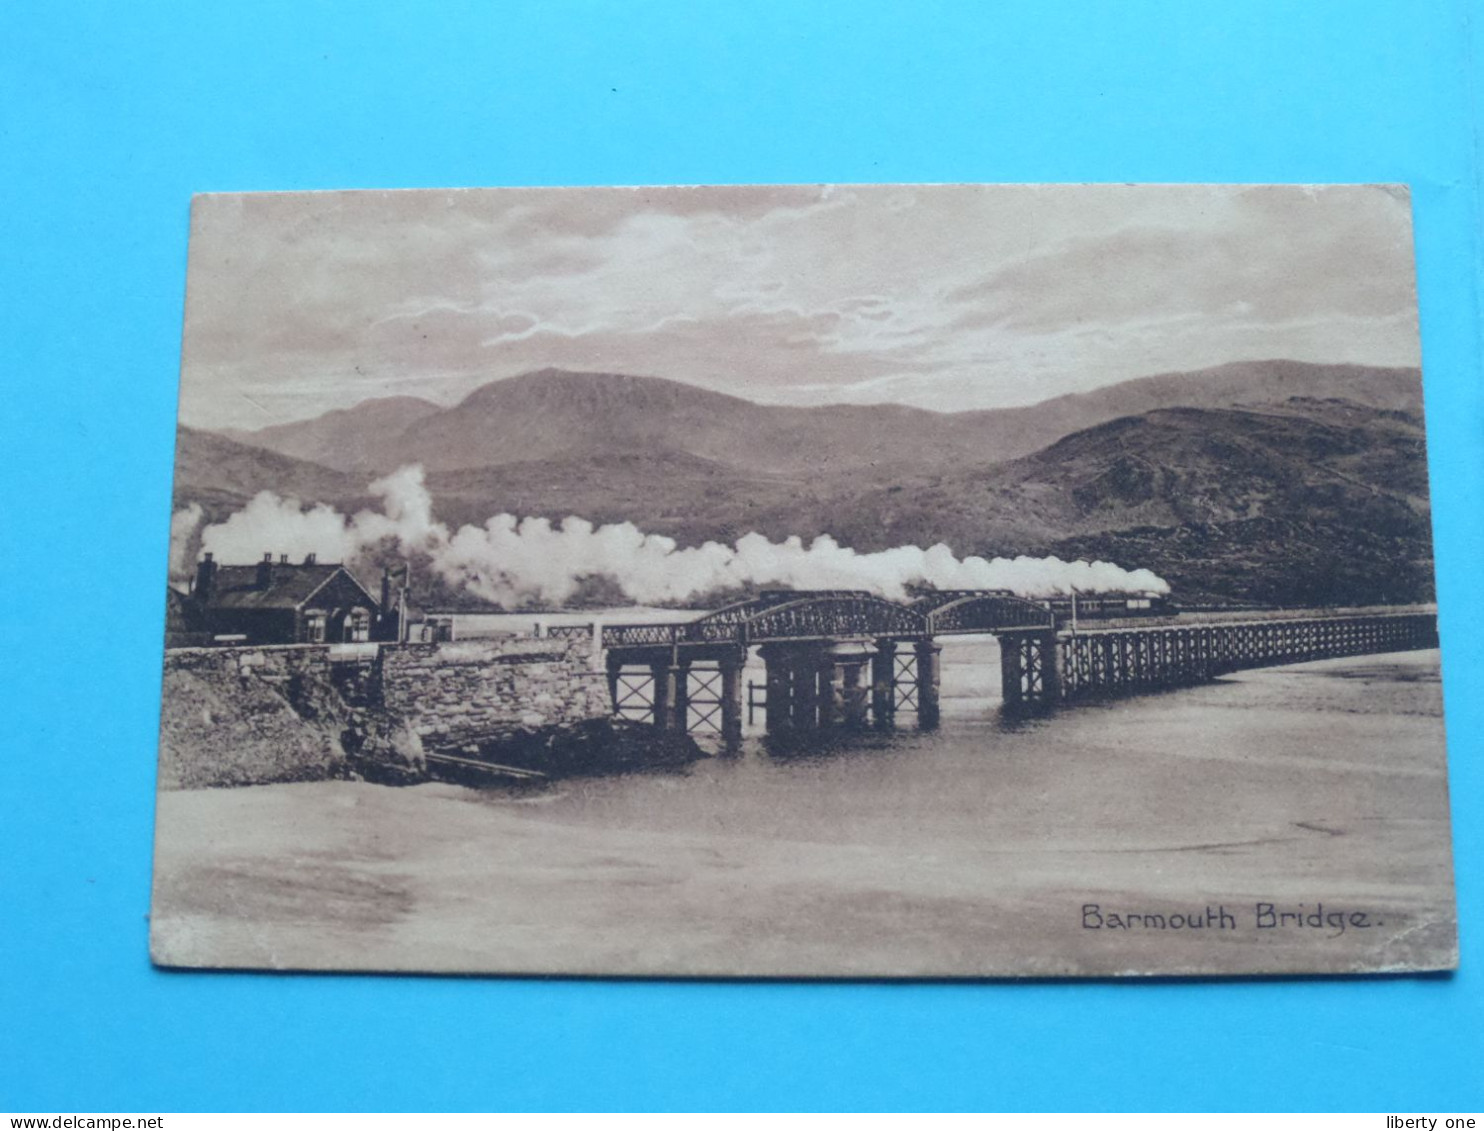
{"x": 1112, "y": 606}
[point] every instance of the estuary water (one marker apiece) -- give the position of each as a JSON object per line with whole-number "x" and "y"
{"x": 1070, "y": 845}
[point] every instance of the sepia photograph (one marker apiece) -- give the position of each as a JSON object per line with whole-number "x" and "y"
{"x": 803, "y": 581}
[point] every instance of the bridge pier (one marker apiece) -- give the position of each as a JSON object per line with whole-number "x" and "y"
{"x": 614, "y": 664}
{"x": 929, "y": 680}
{"x": 1030, "y": 677}
{"x": 857, "y": 704}
{"x": 679, "y": 675}
{"x": 671, "y": 702}
{"x": 731, "y": 699}
{"x": 779, "y": 678}
{"x": 680, "y": 694}
{"x": 831, "y": 693}
{"x": 815, "y": 686}
{"x": 803, "y": 689}
{"x": 848, "y": 702}
{"x": 884, "y": 683}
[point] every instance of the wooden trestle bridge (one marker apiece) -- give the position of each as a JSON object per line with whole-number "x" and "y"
{"x": 846, "y": 658}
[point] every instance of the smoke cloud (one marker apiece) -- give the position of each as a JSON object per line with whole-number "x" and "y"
{"x": 184, "y": 524}
{"x": 514, "y": 561}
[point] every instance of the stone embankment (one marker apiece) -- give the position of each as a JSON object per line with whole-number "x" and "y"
{"x": 254, "y": 715}
{"x": 239, "y": 716}
{"x": 459, "y": 694}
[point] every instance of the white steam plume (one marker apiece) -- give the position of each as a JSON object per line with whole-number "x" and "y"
{"x": 183, "y": 526}
{"x": 510, "y": 560}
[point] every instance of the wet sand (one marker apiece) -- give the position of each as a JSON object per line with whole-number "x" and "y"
{"x": 975, "y": 850}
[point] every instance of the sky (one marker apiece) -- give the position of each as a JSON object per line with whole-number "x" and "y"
{"x": 946, "y": 297}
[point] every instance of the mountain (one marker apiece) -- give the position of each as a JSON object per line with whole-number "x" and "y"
{"x": 348, "y": 439}
{"x": 221, "y": 475}
{"x": 671, "y": 491}
{"x": 555, "y": 414}
{"x": 1176, "y": 466}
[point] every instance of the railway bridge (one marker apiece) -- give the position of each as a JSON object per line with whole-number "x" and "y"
{"x": 845, "y": 658}
{"x": 833, "y": 657}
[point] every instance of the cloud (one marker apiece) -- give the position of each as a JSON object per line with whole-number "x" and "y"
{"x": 943, "y": 296}
{"x": 1301, "y": 263}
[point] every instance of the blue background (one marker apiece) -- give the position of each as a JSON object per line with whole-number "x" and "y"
{"x": 111, "y": 115}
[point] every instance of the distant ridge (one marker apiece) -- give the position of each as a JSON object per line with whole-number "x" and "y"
{"x": 559, "y": 414}
{"x": 1237, "y": 384}
{"x": 346, "y": 438}
{"x": 221, "y": 475}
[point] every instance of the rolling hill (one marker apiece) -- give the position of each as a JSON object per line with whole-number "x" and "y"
{"x": 347, "y": 439}
{"x": 221, "y": 475}
{"x": 556, "y": 414}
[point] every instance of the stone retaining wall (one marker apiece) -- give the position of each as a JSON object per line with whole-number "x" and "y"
{"x": 253, "y": 715}
{"x": 458, "y": 693}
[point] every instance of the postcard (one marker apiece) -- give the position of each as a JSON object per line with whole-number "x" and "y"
{"x": 842, "y": 581}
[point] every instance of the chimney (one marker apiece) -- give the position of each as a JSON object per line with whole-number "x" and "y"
{"x": 283, "y": 559}
{"x": 308, "y": 559}
{"x": 205, "y": 578}
{"x": 265, "y": 572}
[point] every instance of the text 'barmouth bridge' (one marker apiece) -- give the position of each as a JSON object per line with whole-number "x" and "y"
{"x": 843, "y": 658}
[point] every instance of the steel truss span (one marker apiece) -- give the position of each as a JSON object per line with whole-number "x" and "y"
{"x": 836, "y": 614}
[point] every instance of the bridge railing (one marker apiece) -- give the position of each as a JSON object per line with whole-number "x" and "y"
{"x": 672, "y": 634}
{"x": 569, "y": 631}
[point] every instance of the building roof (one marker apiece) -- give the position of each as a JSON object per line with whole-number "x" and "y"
{"x": 181, "y": 613}
{"x": 290, "y": 585}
